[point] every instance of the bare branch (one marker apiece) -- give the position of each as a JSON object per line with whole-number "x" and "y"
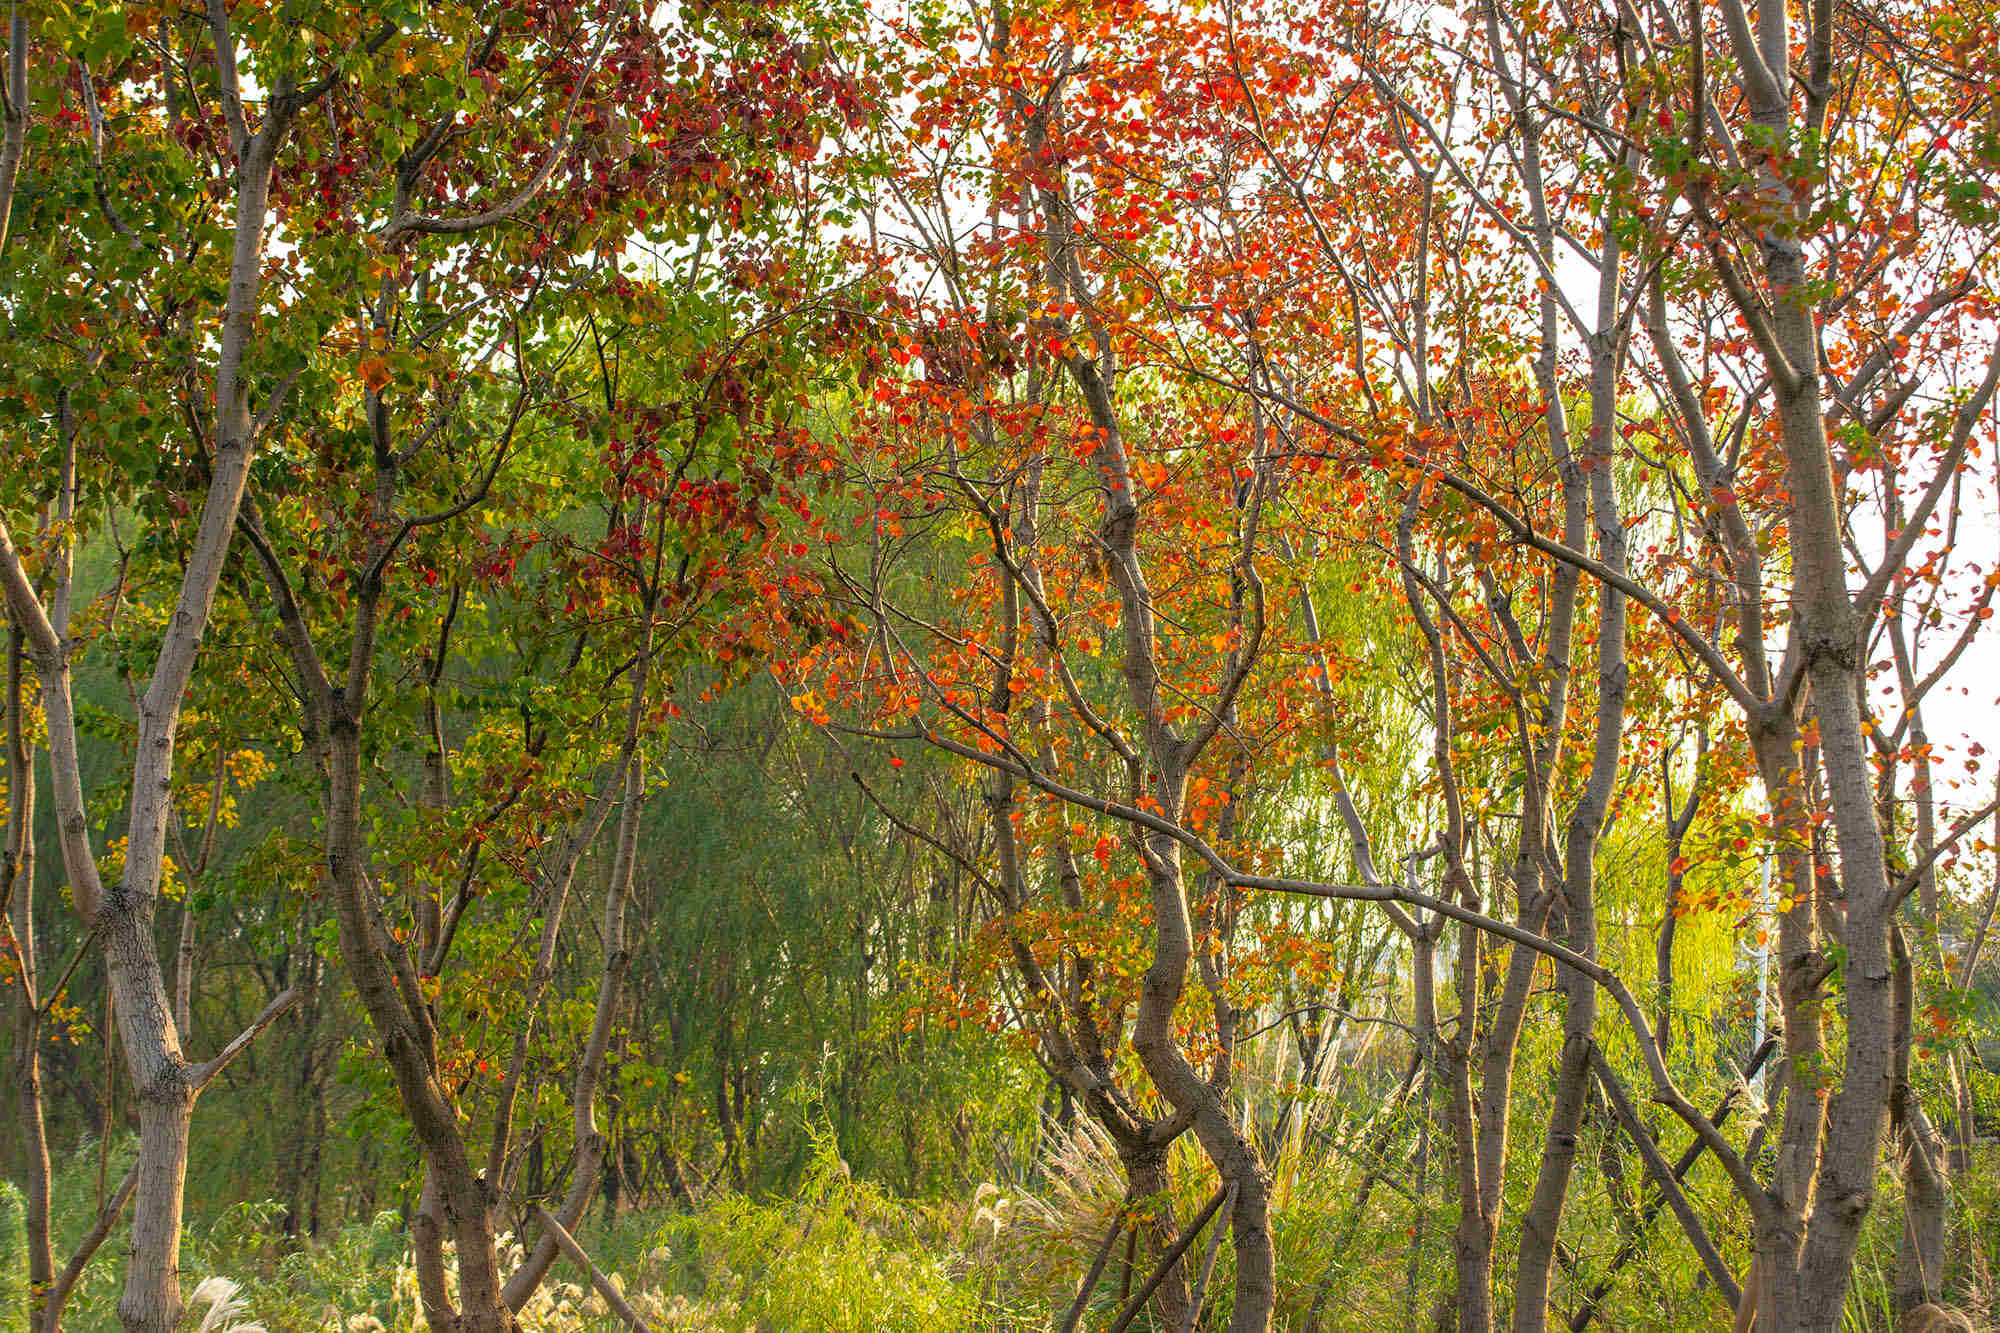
{"x": 612, "y": 1296}
{"x": 200, "y": 1075}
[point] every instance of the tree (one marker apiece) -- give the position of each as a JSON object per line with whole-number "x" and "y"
{"x": 67, "y": 438}
{"x": 1708, "y": 214}
{"x": 482, "y": 348}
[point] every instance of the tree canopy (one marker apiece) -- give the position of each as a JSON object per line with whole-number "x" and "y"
{"x": 1012, "y": 664}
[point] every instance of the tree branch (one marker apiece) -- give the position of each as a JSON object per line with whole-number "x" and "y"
{"x": 200, "y": 1075}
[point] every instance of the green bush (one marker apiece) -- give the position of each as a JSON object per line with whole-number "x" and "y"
{"x": 842, "y": 1256}
{"x": 13, "y": 1260}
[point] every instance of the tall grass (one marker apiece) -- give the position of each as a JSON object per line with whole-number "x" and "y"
{"x": 841, "y": 1255}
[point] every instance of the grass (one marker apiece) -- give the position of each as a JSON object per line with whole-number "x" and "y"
{"x": 841, "y": 1255}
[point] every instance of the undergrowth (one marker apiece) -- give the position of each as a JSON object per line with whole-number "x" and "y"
{"x": 841, "y": 1255}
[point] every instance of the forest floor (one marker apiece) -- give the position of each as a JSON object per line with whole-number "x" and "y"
{"x": 842, "y": 1256}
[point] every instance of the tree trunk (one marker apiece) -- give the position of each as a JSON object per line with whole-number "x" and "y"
{"x": 35, "y": 1154}
{"x": 1827, "y": 627}
{"x": 1471, "y": 1301}
{"x": 17, "y": 891}
{"x": 1479, "y": 1215}
{"x": 1146, "y": 1177}
{"x": 1196, "y": 1099}
{"x": 1184, "y": 1088}
{"x": 152, "y": 1299}
{"x": 122, "y": 916}
{"x": 1920, "y": 1254}
{"x": 457, "y": 1204}
{"x": 1920, "y": 1251}
{"x": 1539, "y": 1226}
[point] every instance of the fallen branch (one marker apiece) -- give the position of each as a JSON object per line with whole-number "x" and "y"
{"x": 1591, "y": 1303}
{"x": 1207, "y": 1266}
{"x": 1082, "y": 1301}
{"x": 107, "y": 1218}
{"x": 1167, "y": 1262}
{"x": 1663, "y": 1176}
{"x": 612, "y": 1296}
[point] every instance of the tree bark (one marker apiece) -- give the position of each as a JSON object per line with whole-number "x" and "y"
{"x": 1146, "y": 1177}
{"x": 1920, "y": 1251}
{"x": 1828, "y": 632}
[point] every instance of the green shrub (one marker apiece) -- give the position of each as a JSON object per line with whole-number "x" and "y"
{"x": 13, "y": 1260}
{"x": 840, "y": 1257}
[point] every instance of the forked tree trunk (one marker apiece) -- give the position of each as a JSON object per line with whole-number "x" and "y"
{"x": 456, "y": 1205}
{"x": 1153, "y": 1031}
{"x": 121, "y": 915}
{"x": 460, "y": 1202}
